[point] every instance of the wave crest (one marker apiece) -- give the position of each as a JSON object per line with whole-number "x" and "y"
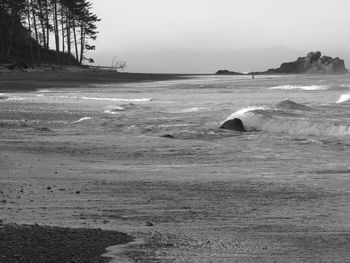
{"x": 194, "y": 109}
{"x": 82, "y": 119}
{"x": 114, "y": 109}
{"x": 291, "y": 105}
{"x": 117, "y": 99}
{"x": 309, "y": 88}
{"x": 304, "y": 127}
{"x": 278, "y": 119}
{"x": 242, "y": 112}
{"x": 343, "y": 98}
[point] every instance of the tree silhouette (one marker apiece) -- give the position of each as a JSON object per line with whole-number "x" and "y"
{"x": 32, "y": 23}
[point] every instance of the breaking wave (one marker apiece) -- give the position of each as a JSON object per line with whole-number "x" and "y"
{"x": 300, "y": 127}
{"x": 117, "y": 99}
{"x": 244, "y": 111}
{"x": 310, "y": 88}
{"x": 74, "y": 97}
{"x": 82, "y": 119}
{"x": 10, "y": 98}
{"x": 278, "y": 119}
{"x": 114, "y": 109}
{"x": 343, "y": 98}
{"x": 195, "y": 109}
{"x": 44, "y": 90}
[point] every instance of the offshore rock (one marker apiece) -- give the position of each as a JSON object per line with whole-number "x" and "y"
{"x": 234, "y": 124}
{"x": 227, "y": 72}
{"x": 313, "y": 63}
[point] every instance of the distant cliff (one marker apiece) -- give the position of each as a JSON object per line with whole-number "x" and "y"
{"x": 313, "y": 63}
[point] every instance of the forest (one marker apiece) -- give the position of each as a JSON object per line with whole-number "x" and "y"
{"x": 47, "y": 31}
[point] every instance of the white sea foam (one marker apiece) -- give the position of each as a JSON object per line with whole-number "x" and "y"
{"x": 192, "y": 110}
{"x": 117, "y": 99}
{"x": 257, "y": 119}
{"x": 16, "y": 98}
{"x": 44, "y": 90}
{"x": 114, "y": 109}
{"x": 173, "y": 125}
{"x": 262, "y": 122}
{"x": 241, "y": 112}
{"x": 303, "y": 127}
{"x": 291, "y": 87}
{"x": 345, "y": 85}
{"x": 82, "y": 119}
{"x": 343, "y": 98}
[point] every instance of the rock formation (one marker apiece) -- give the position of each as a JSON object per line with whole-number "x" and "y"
{"x": 313, "y": 63}
{"x": 227, "y": 72}
{"x": 235, "y": 125}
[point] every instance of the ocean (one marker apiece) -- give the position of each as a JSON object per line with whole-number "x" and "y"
{"x": 276, "y": 193}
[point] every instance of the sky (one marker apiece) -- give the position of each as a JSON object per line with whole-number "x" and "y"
{"x": 202, "y": 36}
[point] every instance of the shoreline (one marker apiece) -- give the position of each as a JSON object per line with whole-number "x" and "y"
{"x": 33, "y": 80}
{"x": 192, "y": 198}
{"x": 34, "y": 243}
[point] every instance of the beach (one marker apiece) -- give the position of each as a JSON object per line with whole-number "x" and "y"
{"x": 143, "y": 155}
{"x": 41, "y": 78}
{"x": 15, "y": 244}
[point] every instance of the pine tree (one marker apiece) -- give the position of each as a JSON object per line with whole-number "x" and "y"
{"x": 71, "y": 23}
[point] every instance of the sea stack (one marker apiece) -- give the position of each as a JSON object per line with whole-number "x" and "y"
{"x": 313, "y": 63}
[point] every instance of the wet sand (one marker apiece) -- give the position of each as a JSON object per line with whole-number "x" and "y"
{"x": 12, "y": 81}
{"x": 34, "y": 243}
{"x": 242, "y": 219}
{"x": 180, "y": 200}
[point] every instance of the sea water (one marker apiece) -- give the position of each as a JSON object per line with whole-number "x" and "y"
{"x": 160, "y": 146}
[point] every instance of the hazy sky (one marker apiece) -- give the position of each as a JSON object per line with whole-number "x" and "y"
{"x": 174, "y": 35}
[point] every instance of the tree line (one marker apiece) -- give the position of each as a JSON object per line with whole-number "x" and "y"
{"x": 66, "y": 26}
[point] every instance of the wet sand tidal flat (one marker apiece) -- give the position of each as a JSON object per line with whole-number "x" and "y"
{"x": 200, "y": 195}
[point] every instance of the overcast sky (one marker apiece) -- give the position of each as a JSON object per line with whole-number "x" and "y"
{"x": 195, "y": 36}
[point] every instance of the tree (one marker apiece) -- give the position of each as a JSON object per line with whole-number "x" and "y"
{"x": 12, "y": 15}
{"x": 34, "y": 9}
{"x": 31, "y": 24}
{"x": 87, "y": 25}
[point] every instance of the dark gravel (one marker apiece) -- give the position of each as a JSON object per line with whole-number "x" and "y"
{"x": 36, "y": 244}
